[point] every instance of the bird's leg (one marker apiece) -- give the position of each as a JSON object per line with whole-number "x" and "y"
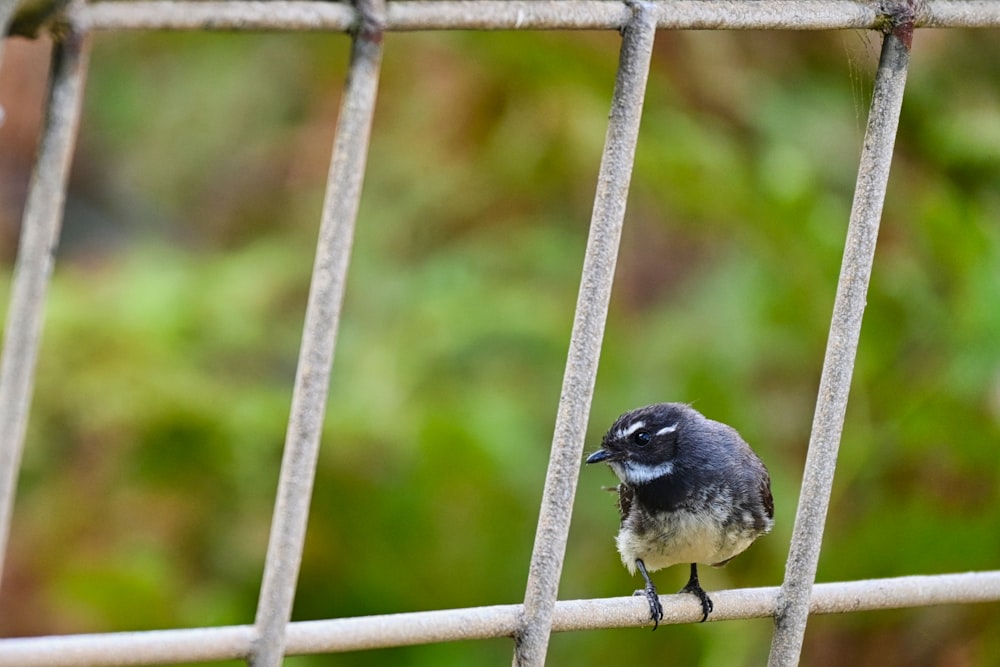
{"x": 655, "y": 608}
{"x": 693, "y": 587}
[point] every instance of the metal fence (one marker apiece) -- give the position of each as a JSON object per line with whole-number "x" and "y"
{"x": 272, "y": 636}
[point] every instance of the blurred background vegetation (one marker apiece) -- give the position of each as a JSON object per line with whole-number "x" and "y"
{"x": 176, "y": 309}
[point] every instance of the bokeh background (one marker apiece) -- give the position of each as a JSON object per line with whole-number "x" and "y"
{"x": 170, "y": 346}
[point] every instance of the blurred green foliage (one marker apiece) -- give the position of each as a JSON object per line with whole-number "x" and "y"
{"x": 170, "y": 346}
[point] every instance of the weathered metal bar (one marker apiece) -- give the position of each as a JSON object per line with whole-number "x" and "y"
{"x": 842, "y": 346}
{"x": 522, "y": 15}
{"x": 614, "y": 177}
{"x": 40, "y": 229}
{"x": 326, "y": 295}
{"x": 157, "y": 647}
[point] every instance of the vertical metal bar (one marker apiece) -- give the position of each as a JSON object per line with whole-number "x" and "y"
{"x": 792, "y": 608}
{"x": 585, "y": 343}
{"x": 298, "y": 466}
{"x": 40, "y": 228}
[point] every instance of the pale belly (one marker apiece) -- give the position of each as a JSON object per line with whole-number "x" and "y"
{"x": 682, "y": 537}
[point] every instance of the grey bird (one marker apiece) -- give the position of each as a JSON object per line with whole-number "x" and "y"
{"x": 691, "y": 491}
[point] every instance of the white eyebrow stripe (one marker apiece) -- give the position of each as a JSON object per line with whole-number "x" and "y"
{"x": 632, "y": 429}
{"x": 667, "y": 429}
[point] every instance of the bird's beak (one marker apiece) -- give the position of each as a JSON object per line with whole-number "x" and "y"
{"x": 598, "y": 456}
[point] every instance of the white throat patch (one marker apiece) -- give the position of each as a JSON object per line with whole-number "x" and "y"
{"x": 631, "y": 472}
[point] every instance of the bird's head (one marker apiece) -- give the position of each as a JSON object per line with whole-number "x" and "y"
{"x": 642, "y": 444}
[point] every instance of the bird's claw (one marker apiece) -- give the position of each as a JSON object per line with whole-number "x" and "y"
{"x": 706, "y": 602}
{"x": 655, "y": 608}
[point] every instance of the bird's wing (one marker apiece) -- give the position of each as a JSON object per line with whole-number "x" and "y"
{"x": 766, "y": 497}
{"x": 625, "y": 495}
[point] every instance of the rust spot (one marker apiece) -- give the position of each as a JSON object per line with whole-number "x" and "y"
{"x": 905, "y": 34}
{"x": 370, "y": 26}
{"x": 900, "y": 16}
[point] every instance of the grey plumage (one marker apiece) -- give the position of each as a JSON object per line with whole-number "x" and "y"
{"x": 692, "y": 491}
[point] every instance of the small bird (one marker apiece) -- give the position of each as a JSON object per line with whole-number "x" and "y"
{"x": 691, "y": 491}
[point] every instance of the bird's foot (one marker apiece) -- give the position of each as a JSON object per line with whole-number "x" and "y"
{"x": 694, "y": 588}
{"x": 655, "y": 608}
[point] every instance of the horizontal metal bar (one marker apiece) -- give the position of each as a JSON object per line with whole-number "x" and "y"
{"x": 522, "y": 15}
{"x": 370, "y": 632}
{"x": 153, "y": 647}
{"x": 972, "y": 14}
{"x": 216, "y": 15}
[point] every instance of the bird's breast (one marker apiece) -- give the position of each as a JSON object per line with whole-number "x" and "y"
{"x": 662, "y": 539}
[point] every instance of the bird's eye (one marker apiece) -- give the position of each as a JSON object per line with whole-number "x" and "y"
{"x": 642, "y": 438}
